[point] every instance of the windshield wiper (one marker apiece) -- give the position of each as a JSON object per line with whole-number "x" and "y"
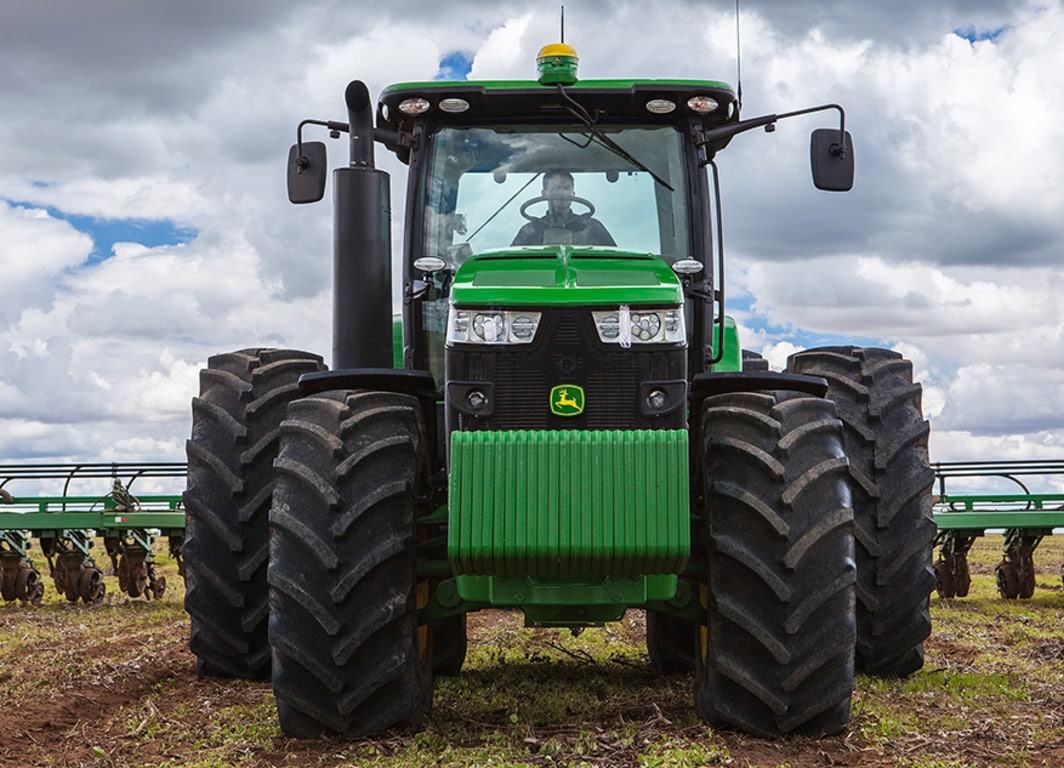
{"x": 577, "y": 110}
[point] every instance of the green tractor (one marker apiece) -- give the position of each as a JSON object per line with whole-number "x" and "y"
{"x": 562, "y": 423}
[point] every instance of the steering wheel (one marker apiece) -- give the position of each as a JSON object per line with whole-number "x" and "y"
{"x": 547, "y": 198}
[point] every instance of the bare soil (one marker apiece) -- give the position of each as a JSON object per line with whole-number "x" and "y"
{"x": 115, "y": 685}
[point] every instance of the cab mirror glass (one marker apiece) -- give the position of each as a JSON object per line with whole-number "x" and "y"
{"x": 832, "y": 162}
{"x": 306, "y": 173}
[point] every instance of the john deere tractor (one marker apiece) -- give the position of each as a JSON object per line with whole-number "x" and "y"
{"x": 562, "y": 422}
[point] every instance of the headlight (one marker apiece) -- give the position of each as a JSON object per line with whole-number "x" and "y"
{"x": 626, "y": 326}
{"x": 491, "y": 326}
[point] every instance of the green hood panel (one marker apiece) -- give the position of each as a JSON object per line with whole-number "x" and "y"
{"x": 565, "y": 275}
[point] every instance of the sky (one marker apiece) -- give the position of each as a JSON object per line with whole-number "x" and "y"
{"x": 144, "y": 223}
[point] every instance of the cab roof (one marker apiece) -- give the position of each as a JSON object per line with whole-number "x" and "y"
{"x": 527, "y": 101}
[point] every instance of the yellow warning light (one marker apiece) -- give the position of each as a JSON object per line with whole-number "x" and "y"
{"x": 557, "y": 64}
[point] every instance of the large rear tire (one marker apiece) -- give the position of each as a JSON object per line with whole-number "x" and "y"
{"x": 886, "y": 440}
{"x": 776, "y": 655}
{"x": 235, "y": 427}
{"x": 348, "y": 655}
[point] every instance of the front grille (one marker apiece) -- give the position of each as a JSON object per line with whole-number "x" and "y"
{"x": 566, "y": 351}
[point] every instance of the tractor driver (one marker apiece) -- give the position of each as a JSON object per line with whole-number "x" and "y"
{"x": 560, "y": 225}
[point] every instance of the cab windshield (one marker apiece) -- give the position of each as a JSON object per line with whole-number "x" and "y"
{"x": 492, "y": 188}
{"x": 532, "y": 187}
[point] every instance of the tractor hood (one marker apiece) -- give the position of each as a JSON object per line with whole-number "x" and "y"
{"x": 565, "y": 275}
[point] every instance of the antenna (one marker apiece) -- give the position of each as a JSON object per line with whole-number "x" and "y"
{"x": 738, "y": 59}
{"x": 563, "y": 24}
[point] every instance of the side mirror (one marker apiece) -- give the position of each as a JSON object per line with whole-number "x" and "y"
{"x": 831, "y": 162}
{"x": 306, "y": 173}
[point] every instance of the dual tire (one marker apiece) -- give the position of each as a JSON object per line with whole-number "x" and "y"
{"x": 776, "y": 655}
{"x": 348, "y": 655}
{"x": 780, "y": 474}
{"x": 886, "y": 440}
{"x": 300, "y": 546}
{"x": 235, "y": 434}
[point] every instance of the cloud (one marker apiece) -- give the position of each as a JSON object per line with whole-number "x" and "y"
{"x": 37, "y": 250}
{"x": 503, "y": 50}
{"x": 948, "y": 248}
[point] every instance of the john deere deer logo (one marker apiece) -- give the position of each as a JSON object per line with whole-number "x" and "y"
{"x": 567, "y": 400}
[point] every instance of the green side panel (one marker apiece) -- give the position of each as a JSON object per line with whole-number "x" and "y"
{"x": 733, "y": 352}
{"x": 53, "y": 513}
{"x": 963, "y": 521}
{"x": 397, "y": 341}
{"x": 98, "y": 521}
{"x": 613, "y": 594}
{"x": 565, "y": 275}
{"x": 569, "y": 505}
{"x": 1031, "y": 511}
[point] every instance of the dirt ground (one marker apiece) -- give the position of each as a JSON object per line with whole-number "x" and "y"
{"x": 115, "y": 685}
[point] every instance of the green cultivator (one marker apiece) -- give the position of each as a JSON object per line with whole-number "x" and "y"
{"x": 67, "y": 526}
{"x": 1025, "y": 517}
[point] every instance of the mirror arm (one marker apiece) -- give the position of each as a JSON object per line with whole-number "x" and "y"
{"x": 386, "y": 137}
{"x": 837, "y": 150}
{"x": 335, "y": 129}
{"x": 726, "y": 132}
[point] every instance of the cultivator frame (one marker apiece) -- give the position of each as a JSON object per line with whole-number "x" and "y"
{"x": 1025, "y": 517}
{"x": 66, "y": 527}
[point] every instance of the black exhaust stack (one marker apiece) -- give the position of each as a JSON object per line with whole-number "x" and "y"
{"x": 362, "y": 271}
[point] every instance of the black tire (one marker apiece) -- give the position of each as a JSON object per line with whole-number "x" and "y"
{"x": 348, "y": 655}
{"x": 886, "y": 440}
{"x": 7, "y": 585}
{"x": 29, "y": 586}
{"x": 235, "y": 428}
{"x": 671, "y": 644}
{"x": 962, "y": 575}
{"x": 1027, "y": 582}
{"x": 91, "y": 586}
{"x": 944, "y": 580}
{"x": 776, "y": 656}
{"x": 1007, "y": 577}
{"x": 450, "y": 641}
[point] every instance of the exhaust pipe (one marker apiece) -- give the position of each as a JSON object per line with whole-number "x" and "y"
{"x": 362, "y": 270}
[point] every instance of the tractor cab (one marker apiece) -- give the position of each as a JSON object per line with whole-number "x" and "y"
{"x": 481, "y": 220}
{"x": 527, "y": 195}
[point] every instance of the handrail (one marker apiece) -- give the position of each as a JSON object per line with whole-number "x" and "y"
{"x": 1008, "y": 470}
{"x": 127, "y": 472}
{"x": 981, "y": 509}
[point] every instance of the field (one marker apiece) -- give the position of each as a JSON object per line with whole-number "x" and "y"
{"x": 115, "y": 685}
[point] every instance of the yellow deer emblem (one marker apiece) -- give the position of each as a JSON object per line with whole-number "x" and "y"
{"x": 567, "y": 400}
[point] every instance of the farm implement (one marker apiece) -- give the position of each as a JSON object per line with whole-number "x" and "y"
{"x": 66, "y": 528}
{"x": 1025, "y": 516}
